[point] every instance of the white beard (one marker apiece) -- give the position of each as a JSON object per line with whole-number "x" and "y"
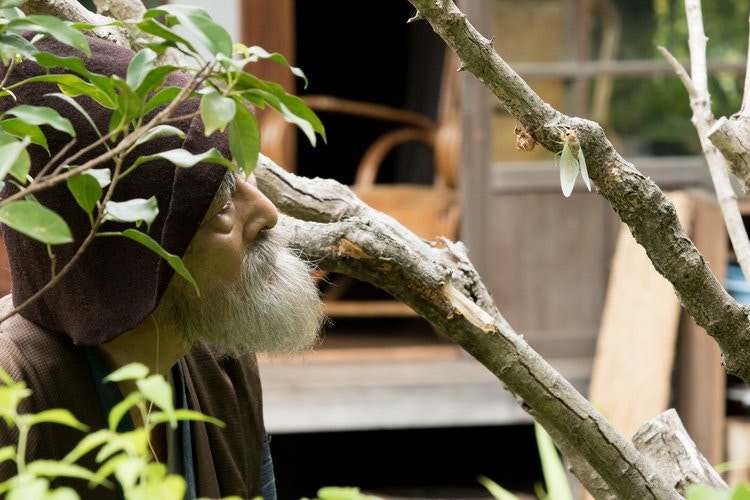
{"x": 275, "y": 307}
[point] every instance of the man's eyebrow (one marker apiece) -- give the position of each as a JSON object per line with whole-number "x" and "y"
{"x": 225, "y": 192}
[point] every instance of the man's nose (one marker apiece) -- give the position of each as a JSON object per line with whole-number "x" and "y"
{"x": 260, "y": 213}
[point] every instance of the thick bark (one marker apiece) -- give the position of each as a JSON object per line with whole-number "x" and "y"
{"x": 665, "y": 441}
{"x": 638, "y": 201}
{"x": 342, "y": 234}
{"x": 73, "y": 11}
{"x": 729, "y": 135}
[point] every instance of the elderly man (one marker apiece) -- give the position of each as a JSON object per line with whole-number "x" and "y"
{"x": 121, "y": 303}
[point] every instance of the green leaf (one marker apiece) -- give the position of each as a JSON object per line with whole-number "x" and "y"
{"x": 58, "y": 416}
{"x": 342, "y": 493}
{"x": 59, "y": 29}
{"x": 36, "y": 221}
{"x": 5, "y": 378}
{"x": 139, "y": 67}
{"x": 185, "y": 159}
{"x": 160, "y": 132}
{"x": 20, "y": 129}
{"x": 131, "y": 371}
{"x": 706, "y": 492}
{"x": 102, "y": 83}
{"x": 78, "y": 108}
{"x": 63, "y": 493}
{"x": 7, "y": 453}
{"x": 153, "y": 27}
{"x": 172, "y": 486}
{"x": 555, "y": 477}
{"x": 26, "y": 485}
{"x": 73, "y": 86}
{"x": 129, "y": 105}
{"x": 158, "y": 391}
{"x": 14, "y": 159}
{"x": 497, "y": 491}
{"x": 121, "y": 409}
{"x": 244, "y": 139}
{"x": 216, "y": 110}
{"x": 302, "y": 113}
{"x": 200, "y": 25}
{"x": 154, "y": 80}
{"x": 102, "y": 175}
{"x": 293, "y": 109}
{"x": 741, "y": 491}
{"x": 86, "y": 190}
{"x": 109, "y": 467}
{"x": 53, "y": 469}
{"x": 89, "y": 442}
{"x": 42, "y": 115}
{"x": 6, "y": 4}
{"x": 12, "y": 44}
{"x": 135, "y": 210}
{"x": 255, "y": 52}
{"x": 143, "y": 76}
{"x": 174, "y": 261}
{"x": 184, "y": 414}
{"x": 303, "y": 124}
{"x": 162, "y": 97}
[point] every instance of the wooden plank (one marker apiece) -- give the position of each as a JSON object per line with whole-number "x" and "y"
{"x": 302, "y": 395}
{"x": 389, "y": 353}
{"x": 700, "y": 391}
{"x": 738, "y": 449}
{"x": 631, "y": 377}
{"x": 553, "y": 292}
{"x": 368, "y": 309}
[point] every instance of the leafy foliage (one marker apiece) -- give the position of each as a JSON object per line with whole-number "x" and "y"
{"x": 555, "y": 477}
{"x": 124, "y": 457}
{"x": 703, "y": 492}
{"x": 143, "y": 109}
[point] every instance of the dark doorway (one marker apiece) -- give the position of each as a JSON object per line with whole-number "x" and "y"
{"x": 381, "y": 59}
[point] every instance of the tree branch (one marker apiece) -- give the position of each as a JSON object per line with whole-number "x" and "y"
{"x": 720, "y": 141}
{"x": 74, "y": 11}
{"x": 638, "y": 201}
{"x": 442, "y": 285}
{"x": 700, "y": 103}
{"x": 717, "y": 163}
{"x": 666, "y": 442}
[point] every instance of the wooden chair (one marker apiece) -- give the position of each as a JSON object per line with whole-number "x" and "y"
{"x": 429, "y": 210}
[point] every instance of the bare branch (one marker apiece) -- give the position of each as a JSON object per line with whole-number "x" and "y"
{"x": 74, "y": 11}
{"x": 121, "y": 9}
{"x": 679, "y": 69}
{"x": 729, "y": 136}
{"x": 697, "y": 40}
{"x": 353, "y": 239}
{"x": 700, "y": 103}
{"x": 666, "y": 442}
{"x": 638, "y": 201}
{"x": 745, "y": 110}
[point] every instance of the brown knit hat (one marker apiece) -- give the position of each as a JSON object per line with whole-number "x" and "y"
{"x": 117, "y": 282}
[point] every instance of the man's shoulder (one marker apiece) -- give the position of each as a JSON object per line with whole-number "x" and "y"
{"x": 25, "y": 347}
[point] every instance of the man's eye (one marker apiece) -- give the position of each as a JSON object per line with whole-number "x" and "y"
{"x": 224, "y": 209}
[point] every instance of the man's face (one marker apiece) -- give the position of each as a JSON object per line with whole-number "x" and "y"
{"x": 256, "y": 295}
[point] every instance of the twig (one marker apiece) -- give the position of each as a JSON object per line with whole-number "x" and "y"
{"x": 697, "y": 88}
{"x": 745, "y": 109}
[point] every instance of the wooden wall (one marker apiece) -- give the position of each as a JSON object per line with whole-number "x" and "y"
{"x": 549, "y": 266}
